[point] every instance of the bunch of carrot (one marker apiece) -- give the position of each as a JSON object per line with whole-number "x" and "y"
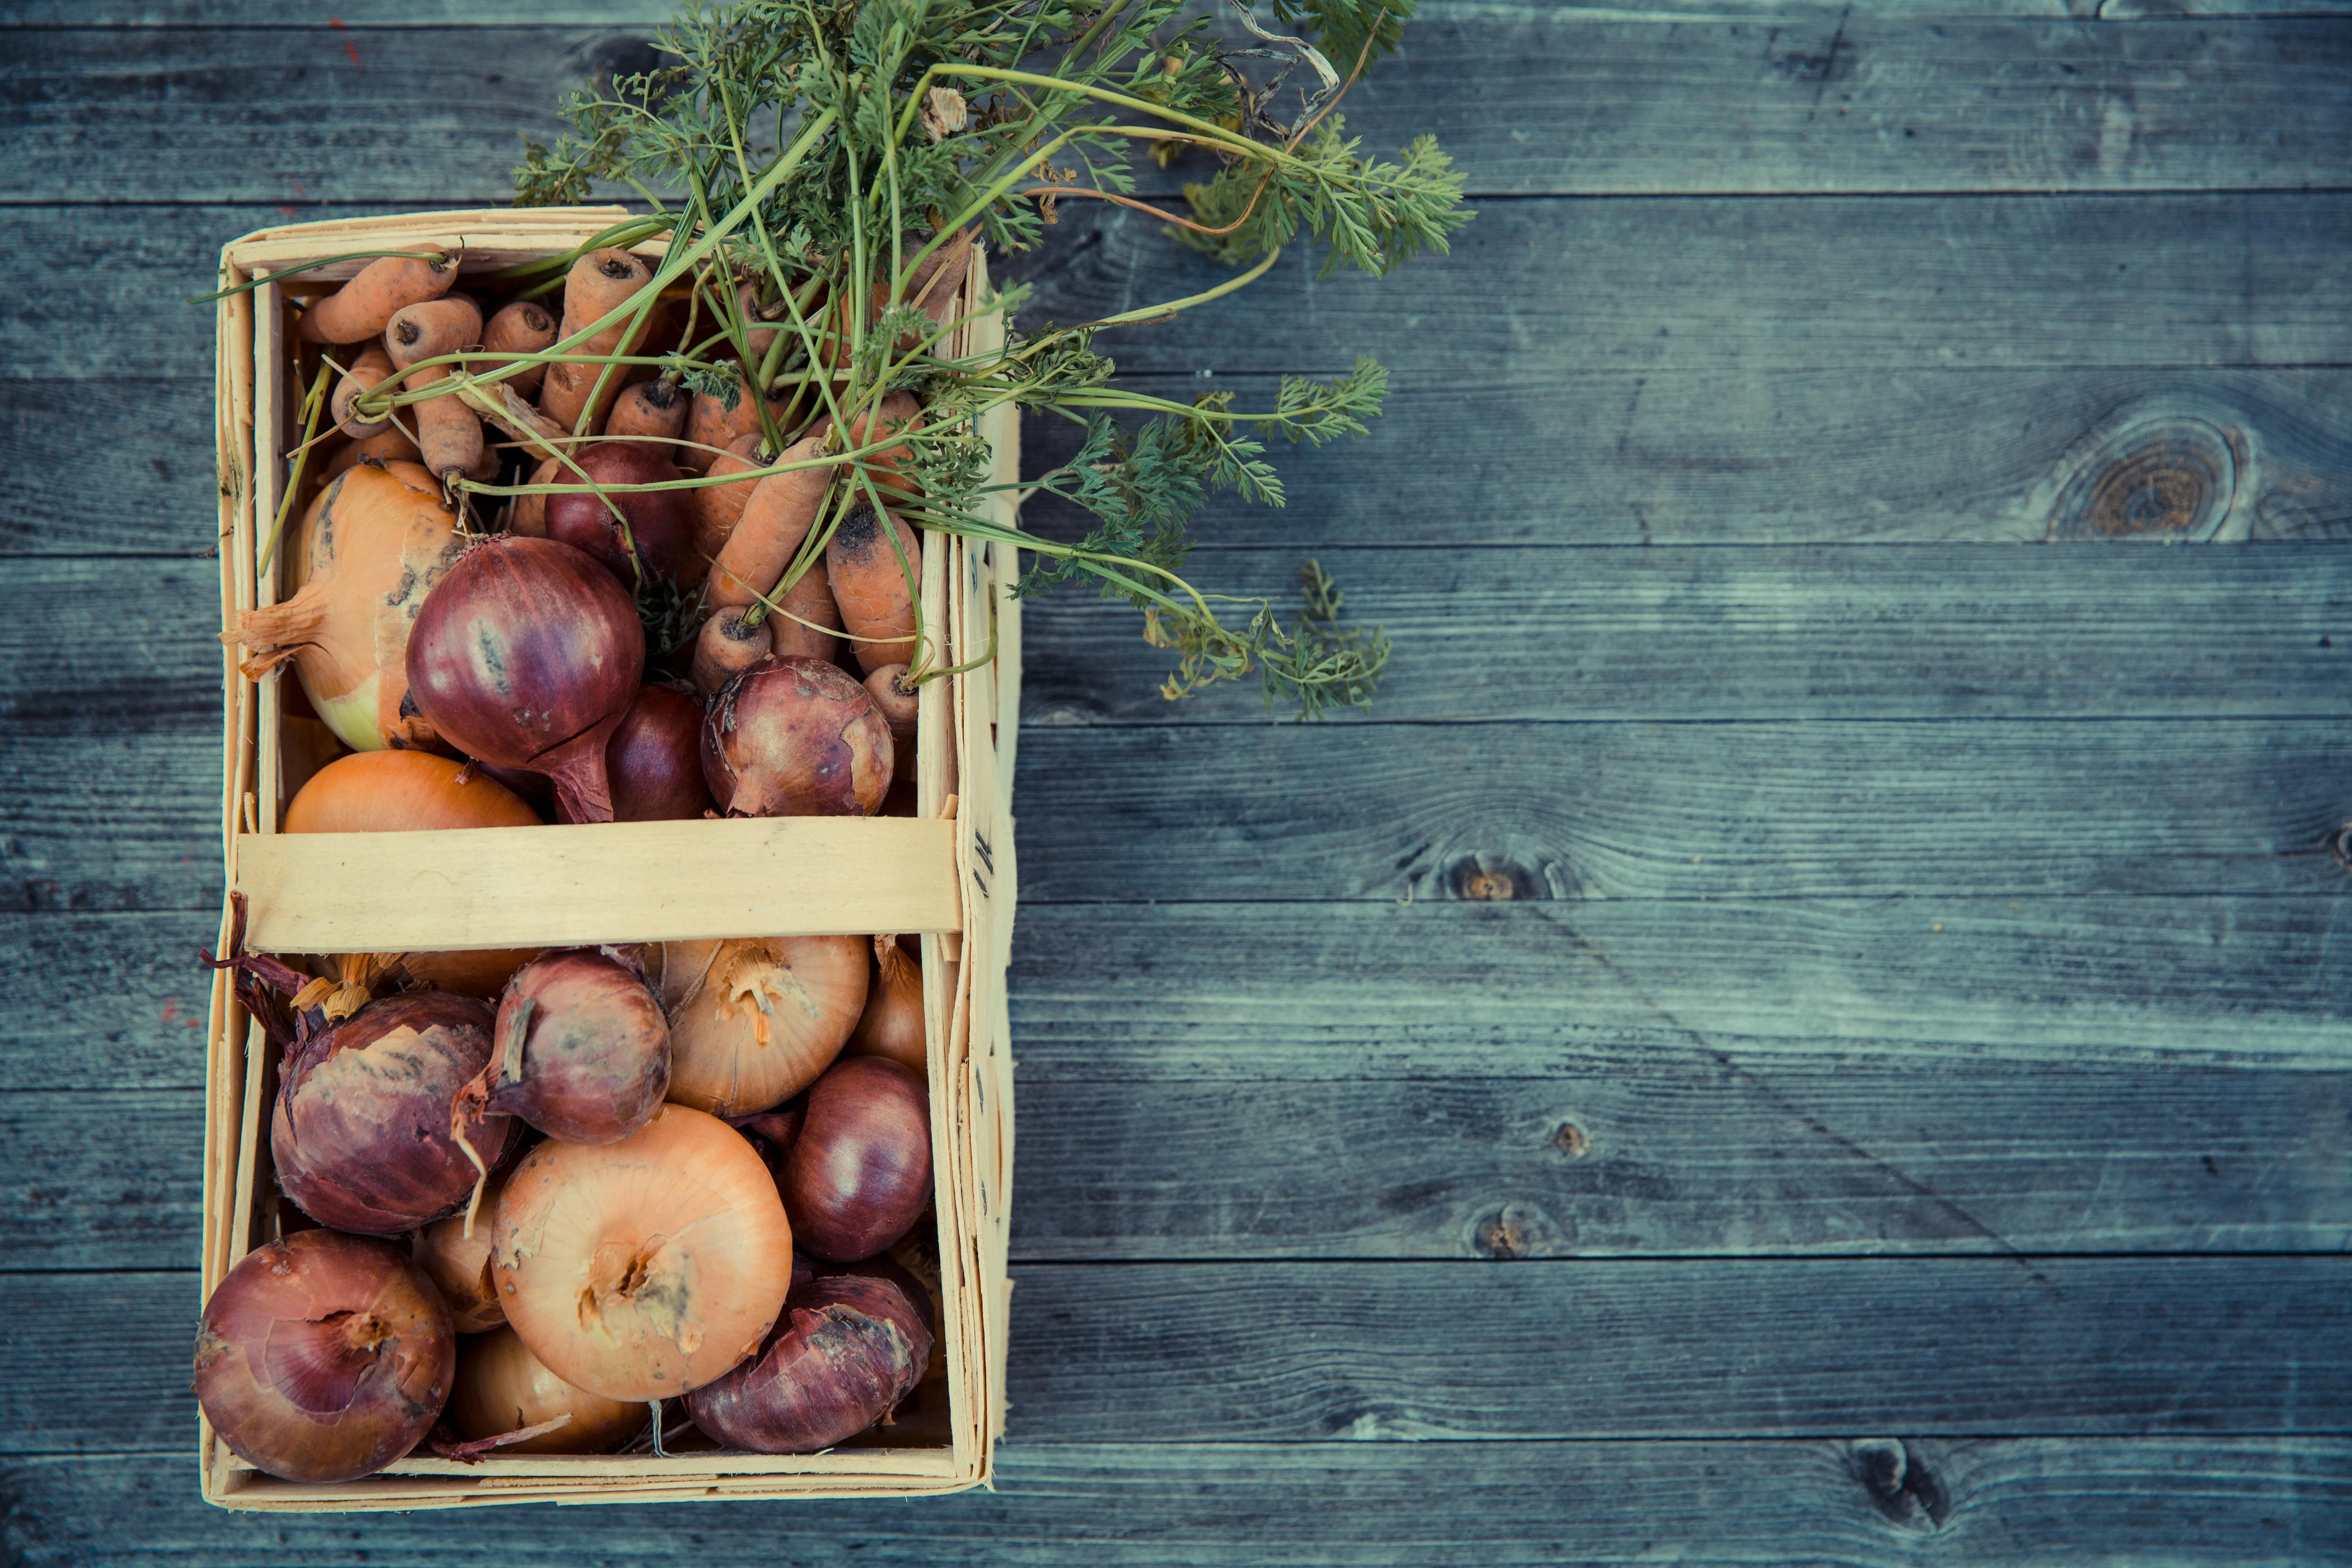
{"x": 787, "y": 488}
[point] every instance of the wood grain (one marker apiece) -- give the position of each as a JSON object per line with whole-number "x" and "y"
{"x": 1656, "y": 1151}
{"x": 1536, "y": 287}
{"x": 1863, "y": 1501}
{"x": 1582, "y": 457}
{"x": 1584, "y": 1349}
{"x": 1572, "y": 812}
{"x": 1675, "y": 811}
{"x": 1530, "y": 101}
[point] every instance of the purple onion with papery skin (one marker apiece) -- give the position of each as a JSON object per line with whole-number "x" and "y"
{"x": 655, "y": 758}
{"x": 859, "y": 1174}
{"x": 527, "y": 654}
{"x": 661, "y": 522}
{"x": 582, "y": 1050}
{"x": 324, "y": 1357}
{"x": 794, "y": 737}
{"x": 362, "y": 1131}
{"x": 846, "y": 1349}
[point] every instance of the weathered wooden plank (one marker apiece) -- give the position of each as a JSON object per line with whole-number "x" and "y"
{"x": 2228, "y": 1503}
{"x": 1592, "y": 1348}
{"x": 1636, "y": 810}
{"x": 1587, "y": 458}
{"x": 649, "y": 15}
{"x": 1676, "y": 1150}
{"x": 1534, "y": 289}
{"x": 1739, "y": 632}
{"x": 1537, "y": 285}
{"x": 1554, "y": 101}
{"x": 111, "y": 1001}
{"x": 100, "y": 1181}
{"x": 1575, "y": 812}
{"x": 1673, "y": 633}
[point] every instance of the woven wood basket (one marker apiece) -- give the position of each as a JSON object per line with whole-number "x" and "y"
{"x": 947, "y": 873}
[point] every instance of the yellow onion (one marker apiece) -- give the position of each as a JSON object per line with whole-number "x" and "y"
{"x": 645, "y": 1269}
{"x": 502, "y": 1387}
{"x": 459, "y": 1266}
{"x": 371, "y": 547}
{"x": 753, "y": 1022}
{"x": 892, "y": 1024}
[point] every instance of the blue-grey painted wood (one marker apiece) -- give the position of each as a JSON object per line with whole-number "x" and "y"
{"x": 1756, "y": 1347}
{"x": 1863, "y": 1501}
{"x": 1529, "y": 101}
{"x": 1536, "y": 287}
{"x": 1719, "y": 457}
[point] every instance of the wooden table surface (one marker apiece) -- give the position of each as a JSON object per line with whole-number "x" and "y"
{"x": 1809, "y": 1026}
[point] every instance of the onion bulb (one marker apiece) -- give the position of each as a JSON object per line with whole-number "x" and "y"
{"x": 502, "y": 1387}
{"x": 324, "y": 1357}
{"x": 859, "y": 1174}
{"x": 645, "y": 1269}
{"x": 581, "y": 1051}
{"x": 794, "y": 737}
{"x": 403, "y": 792}
{"x": 484, "y": 973}
{"x": 848, "y": 1348}
{"x": 459, "y": 1266}
{"x": 892, "y": 1024}
{"x": 370, "y": 550}
{"x": 361, "y": 1132}
{"x": 527, "y": 654}
{"x": 660, "y": 522}
{"x": 752, "y": 1022}
{"x": 655, "y": 758}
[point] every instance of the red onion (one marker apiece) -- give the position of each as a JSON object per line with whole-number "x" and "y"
{"x": 526, "y": 655}
{"x": 362, "y": 1131}
{"x": 655, "y": 758}
{"x": 792, "y": 736}
{"x": 848, "y": 1348}
{"x": 324, "y": 1357}
{"x": 583, "y": 1050}
{"x": 860, "y": 1171}
{"x": 661, "y": 523}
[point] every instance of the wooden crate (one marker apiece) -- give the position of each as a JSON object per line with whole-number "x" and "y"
{"x": 947, "y": 873}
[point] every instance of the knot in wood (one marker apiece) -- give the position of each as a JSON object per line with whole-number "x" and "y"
{"x": 1517, "y": 1230}
{"x": 2163, "y": 476}
{"x": 1570, "y": 1140}
{"x": 1491, "y": 878}
{"x": 1899, "y": 1484}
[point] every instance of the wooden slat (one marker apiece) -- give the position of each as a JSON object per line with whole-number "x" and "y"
{"x": 1577, "y": 811}
{"x": 1550, "y": 101}
{"x": 1727, "y": 632}
{"x": 1685, "y": 811}
{"x": 1638, "y": 1148}
{"x": 1705, "y": 456}
{"x": 1876, "y": 1499}
{"x": 626, "y": 881}
{"x": 1535, "y": 287}
{"x": 1584, "y": 1349}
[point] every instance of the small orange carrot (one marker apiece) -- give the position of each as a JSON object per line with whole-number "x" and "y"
{"x": 600, "y": 281}
{"x": 649, "y": 408}
{"x": 447, "y": 431}
{"x": 746, "y": 298}
{"x": 899, "y": 411}
{"x": 360, "y": 308}
{"x": 713, "y": 424}
{"x": 389, "y": 445}
{"x": 365, "y": 373}
{"x": 808, "y": 605}
{"x": 895, "y": 699}
{"x": 530, "y": 511}
{"x": 717, "y": 508}
{"x": 871, "y": 586}
{"x": 775, "y": 520}
{"x": 727, "y": 647}
{"x": 522, "y": 328}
